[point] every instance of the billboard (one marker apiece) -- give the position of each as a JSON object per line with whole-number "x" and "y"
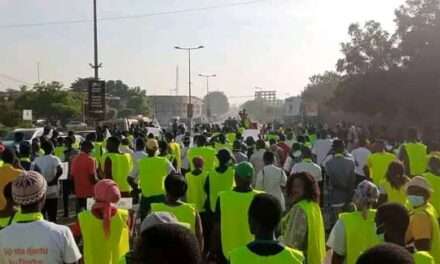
{"x": 96, "y": 99}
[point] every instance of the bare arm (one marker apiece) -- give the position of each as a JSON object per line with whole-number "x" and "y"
{"x": 199, "y": 232}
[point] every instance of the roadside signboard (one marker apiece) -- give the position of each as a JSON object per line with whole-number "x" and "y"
{"x": 27, "y": 115}
{"x": 96, "y": 99}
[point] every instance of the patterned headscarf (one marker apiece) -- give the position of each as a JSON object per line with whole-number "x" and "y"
{"x": 365, "y": 194}
{"x": 106, "y": 194}
{"x": 28, "y": 188}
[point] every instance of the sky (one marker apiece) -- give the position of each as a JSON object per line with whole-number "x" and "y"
{"x": 272, "y": 44}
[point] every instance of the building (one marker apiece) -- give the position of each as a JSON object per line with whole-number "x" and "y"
{"x": 166, "y": 107}
{"x": 293, "y": 109}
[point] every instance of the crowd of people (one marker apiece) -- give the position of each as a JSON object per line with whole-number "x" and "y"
{"x": 290, "y": 195}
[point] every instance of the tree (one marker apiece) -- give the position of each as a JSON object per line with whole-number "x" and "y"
{"x": 261, "y": 110}
{"x": 321, "y": 87}
{"x": 124, "y": 97}
{"x": 50, "y": 101}
{"x": 218, "y": 103}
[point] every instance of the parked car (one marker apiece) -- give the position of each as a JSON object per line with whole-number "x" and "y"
{"x": 29, "y": 134}
{"x": 75, "y": 125}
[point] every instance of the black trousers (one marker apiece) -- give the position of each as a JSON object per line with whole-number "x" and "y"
{"x": 67, "y": 189}
{"x": 81, "y": 204}
{"x": 50, "y": 209}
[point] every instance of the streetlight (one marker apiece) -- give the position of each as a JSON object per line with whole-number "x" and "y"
{"x": 208, "y": 109}
{"x": 190, "y": 106}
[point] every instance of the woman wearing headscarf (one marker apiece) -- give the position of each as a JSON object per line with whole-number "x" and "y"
{"x": 355, "y": 232}
{"x": 303, "y": 226}
{"x": 105, "y": 229}
{"x": 393, "y": 186}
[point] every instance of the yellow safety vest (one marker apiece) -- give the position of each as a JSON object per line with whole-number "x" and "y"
{"x": 234, "y": 223}
{"x": 219, "y": 146}
{"x": 315, "y": 232}
{"x": 177, "y": 155}
{"x": 378, "y": 164}
{"x": 98, "y": 151}
{"x": 219, "y": 182}
{"x": 434, "y": 181}
{"x": 230, "y": 137}
{"x": 185, "y": 213}
{"x": 395, "y": 195}
{"x": 360, "y": 234}
{"x": 122, "y": 165}
{"x": 99, "y": 249}
{"x": 423, "y": 257}
{"x": 435, "y": 240}
{"x": 152, "y": 174}
{"x": 417, "y": 154}
{"x": 59, "y": 152}
{"x": 6, "y": 221}
{"x": 288, "y": 255}
{"x": 207, "y": 153}
{"x": 196, "y": 194}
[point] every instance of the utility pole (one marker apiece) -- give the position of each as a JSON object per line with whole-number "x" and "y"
{"x": 38, "y": 72}
{"x": 190, "y": 106}
{"x": 95, "y": 64}
{"x": 208, "y": 104}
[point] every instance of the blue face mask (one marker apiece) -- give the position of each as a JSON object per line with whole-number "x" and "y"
{"x": 416, "y": 200}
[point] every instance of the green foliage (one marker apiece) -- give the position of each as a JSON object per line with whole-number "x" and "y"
{"x": 51, "y": 101}
{"x": 321, "y": 87}
{"x": 260, "y": 110}
{"x": 218, "y": 103}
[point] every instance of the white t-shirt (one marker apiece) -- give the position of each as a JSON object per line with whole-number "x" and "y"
{"x": 270, "y": 179}
{"x": 310, "y": 167}
{"x": 360, "y": 156}
{"x": 48, "y": 167}
{"x": 38, "y": 242}
{"x": 136, "y": 156}
{"x": 321, "y": 148}
{"x": 336, "y": 239}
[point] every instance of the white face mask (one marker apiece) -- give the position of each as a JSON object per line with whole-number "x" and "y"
{"x": 297, "y": 154}
{"x": 416, "y": 200}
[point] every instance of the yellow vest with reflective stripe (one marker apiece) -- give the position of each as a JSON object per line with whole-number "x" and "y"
{"x": 234, "y": 225}
{"x": 152, "y": 174}
{"x": 315, "y": 232}
{"x": 378, "y": 164}
{"x": 395, "y": 195}
{"x": 97, "y": 248}
{"x": 435, "y": 239}
{"x": 417, "y": 154}
{"x": 207, "y": 153}
{"x": 288, "y": 255}
{"x": 219, "y": 182}
{"x": 423, "y": 257}
{"x": 122, "y": 164}
{"x": 185, "y": 213}
{"x": 196, "y": 194}
{"x": 360, "y": 234}
{"x": 434, "y": 181}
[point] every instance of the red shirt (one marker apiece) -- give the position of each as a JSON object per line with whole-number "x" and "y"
{"x": 83, "y": 170}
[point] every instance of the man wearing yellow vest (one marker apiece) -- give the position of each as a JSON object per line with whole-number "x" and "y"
{"x": 423, "y": 230}
{"x": 433, "y": 178}
{"x": 414, "y": 154}
{"x": 355, "y": 232}
{"x": 105, "y": 229}
{"x": 231, "y": 229}
{"x": 152, "y": 173}
{"x": 392, "y": 221}
{"x": 118, "y": 166}
{"x": 378, "y": 162}
{"x": 176, "y": 187}
{"x": 207, "y": 153}
{"x": 264, "y": 217}
{"x": 175, "y": 150}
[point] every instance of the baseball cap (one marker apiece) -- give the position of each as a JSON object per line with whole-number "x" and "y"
{"x": 244, "y": 169}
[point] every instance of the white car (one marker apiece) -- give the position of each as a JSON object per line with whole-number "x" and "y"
{"x": 29, "y": 134}
{"x": 76, "y": 125}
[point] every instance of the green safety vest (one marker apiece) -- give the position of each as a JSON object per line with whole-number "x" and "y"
{"x": 417, "y": 157}
{"x": 98, "y": 151}
{"x": 176, "y": 152}
{"x": 288, "y": 255}
{"x": 122, "y": 165}
{"x": 185, "y": 213}
{"x": 7, "y": 221}
{"x": 395, "y": 195}
{"x": 219, "y": 146}
{"x": 99, "y": 249}
{"x": 196, "y": 194}
{"x": 152, "y": 174}
{"x": 360, "y": 234}
{"x": 207, "y": 153}
{"x": 435, "y": 240}
{"x": 378, "y": 164}
{"x": 219, "y": 182}
{"x": 423, "y": 257}
{"x": 434, "y": 181}
{"x": 234, "y": 223}
{"x": 230, "y": 137}
{"x": 315, "y": 232}
{"x": 59, "y": 152}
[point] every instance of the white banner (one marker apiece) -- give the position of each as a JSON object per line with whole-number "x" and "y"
{"x": 124, "y": 203}
{"x": 27, "y": 115}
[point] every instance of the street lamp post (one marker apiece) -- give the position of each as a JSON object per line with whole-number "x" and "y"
{"x": 95, "y": 64}
{"x": 190, "y": 106}
{"x": 208, "y": 105}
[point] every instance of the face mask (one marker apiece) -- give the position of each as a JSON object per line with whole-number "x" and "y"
{"x": 297, "y": 154}
{"x": 416, "y": 200}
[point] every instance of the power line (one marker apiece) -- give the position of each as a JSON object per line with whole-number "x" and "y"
{"x": 128, "y": 17}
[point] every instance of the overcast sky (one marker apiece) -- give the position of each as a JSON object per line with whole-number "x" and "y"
{"x": 273, "y": 44}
